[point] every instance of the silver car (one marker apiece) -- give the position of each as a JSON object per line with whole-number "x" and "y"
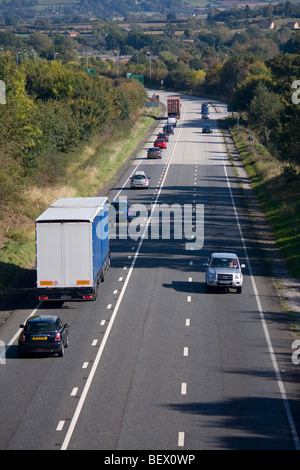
{"x": 223, "y": 271}
{"x": 139, "y": 180}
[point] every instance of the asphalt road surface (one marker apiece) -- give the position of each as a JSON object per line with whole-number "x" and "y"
{"x": 156, "y": 363}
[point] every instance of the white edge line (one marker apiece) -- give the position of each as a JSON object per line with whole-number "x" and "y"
{"x": 13, "y": 339}
{"x": 263, "y": 321}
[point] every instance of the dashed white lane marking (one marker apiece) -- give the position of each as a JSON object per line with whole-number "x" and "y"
{"x": 102, "y": 322}
{"x": 187, "y": 322}
{"x": 107, "y": 333}
{"x": 180, "y": 439}
{"x": 185, "y": 351}
{"x": 60, "y": 425}
{"x": 74, "y": 392}
{"x": 189, "y": 298}
{"x": 183, "y": 388}
{"x": 109, "y": 306}
{"x": 94, "y": 343}
{"x": 85, "y": 365}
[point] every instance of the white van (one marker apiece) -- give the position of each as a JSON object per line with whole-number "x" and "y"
{"x": 172, "y": 121}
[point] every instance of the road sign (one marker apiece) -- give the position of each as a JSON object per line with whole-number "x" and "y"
{"x": 91, "y": 71}
{"x": 151, "y": 104}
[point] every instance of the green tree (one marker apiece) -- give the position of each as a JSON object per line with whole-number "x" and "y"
{"x": 265, "y": 109}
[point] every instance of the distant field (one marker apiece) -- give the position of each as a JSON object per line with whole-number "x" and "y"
{"x": 57, "y": 2}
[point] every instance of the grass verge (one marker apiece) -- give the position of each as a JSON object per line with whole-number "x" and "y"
{"x": 86, "y": 170}
{"x": 277, "y": 186}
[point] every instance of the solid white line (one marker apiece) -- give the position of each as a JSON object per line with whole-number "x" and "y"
{"x": 113, "y": 317}
{"x": 11, "y": 342}
{"x": 263, "y": 321}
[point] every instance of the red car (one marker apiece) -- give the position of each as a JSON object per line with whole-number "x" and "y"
{"x": 161, "y": 143}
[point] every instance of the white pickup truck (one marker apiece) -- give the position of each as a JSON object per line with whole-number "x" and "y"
{"x": 223, "y": 270}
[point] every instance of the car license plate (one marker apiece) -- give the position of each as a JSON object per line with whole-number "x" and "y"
{"x": 39, "y": 338}
{"x": 224, "y": 282}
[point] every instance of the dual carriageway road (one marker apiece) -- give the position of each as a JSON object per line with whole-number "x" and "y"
{"x": 156, "y": 363}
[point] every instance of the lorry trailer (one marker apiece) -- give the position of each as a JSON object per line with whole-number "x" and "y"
{"x": 72, "y": 248}
{"x": 173, "y": 107}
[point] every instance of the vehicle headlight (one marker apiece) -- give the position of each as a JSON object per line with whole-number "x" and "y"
{"x": 237, "y": 276}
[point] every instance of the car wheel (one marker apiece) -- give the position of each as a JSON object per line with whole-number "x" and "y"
{"x": 62, "y": 351}
{"x": 239, "y": 290}
{"x": 208, "y": 288}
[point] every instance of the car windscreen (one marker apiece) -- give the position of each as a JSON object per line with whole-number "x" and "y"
{"x": 119, "y": 206}
{"x": 40, "y": 326}
{"x": 224, "y": 263}
{"x": 138, "y": 177}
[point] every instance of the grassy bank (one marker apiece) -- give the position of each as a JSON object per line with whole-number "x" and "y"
{"x": 80, "y": 173}
{"x": 277, "y": 186}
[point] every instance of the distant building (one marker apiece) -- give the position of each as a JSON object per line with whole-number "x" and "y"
{"x": 72, "y": 34}
{"x": 267, "y": 24}
{"x": 293, "y": 25}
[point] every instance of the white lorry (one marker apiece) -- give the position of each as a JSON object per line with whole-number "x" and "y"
{"x": 72, "y": 248}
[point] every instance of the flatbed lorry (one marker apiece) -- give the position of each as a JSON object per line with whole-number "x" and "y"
{"x": 173, "y": 107}
{"x": 72, "y": 248}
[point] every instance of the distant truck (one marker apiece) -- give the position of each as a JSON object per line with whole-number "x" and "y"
{"x": 72, "y": 248}
{"x": 173, "y": 107}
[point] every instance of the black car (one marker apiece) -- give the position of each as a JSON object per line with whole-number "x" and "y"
{"x": 163, "y": 135}
{"x": 43, "y": 334}
{"x": 122, "y": 211}
{"x": 207, "y": 128}
{"x": 168, "y": 129}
